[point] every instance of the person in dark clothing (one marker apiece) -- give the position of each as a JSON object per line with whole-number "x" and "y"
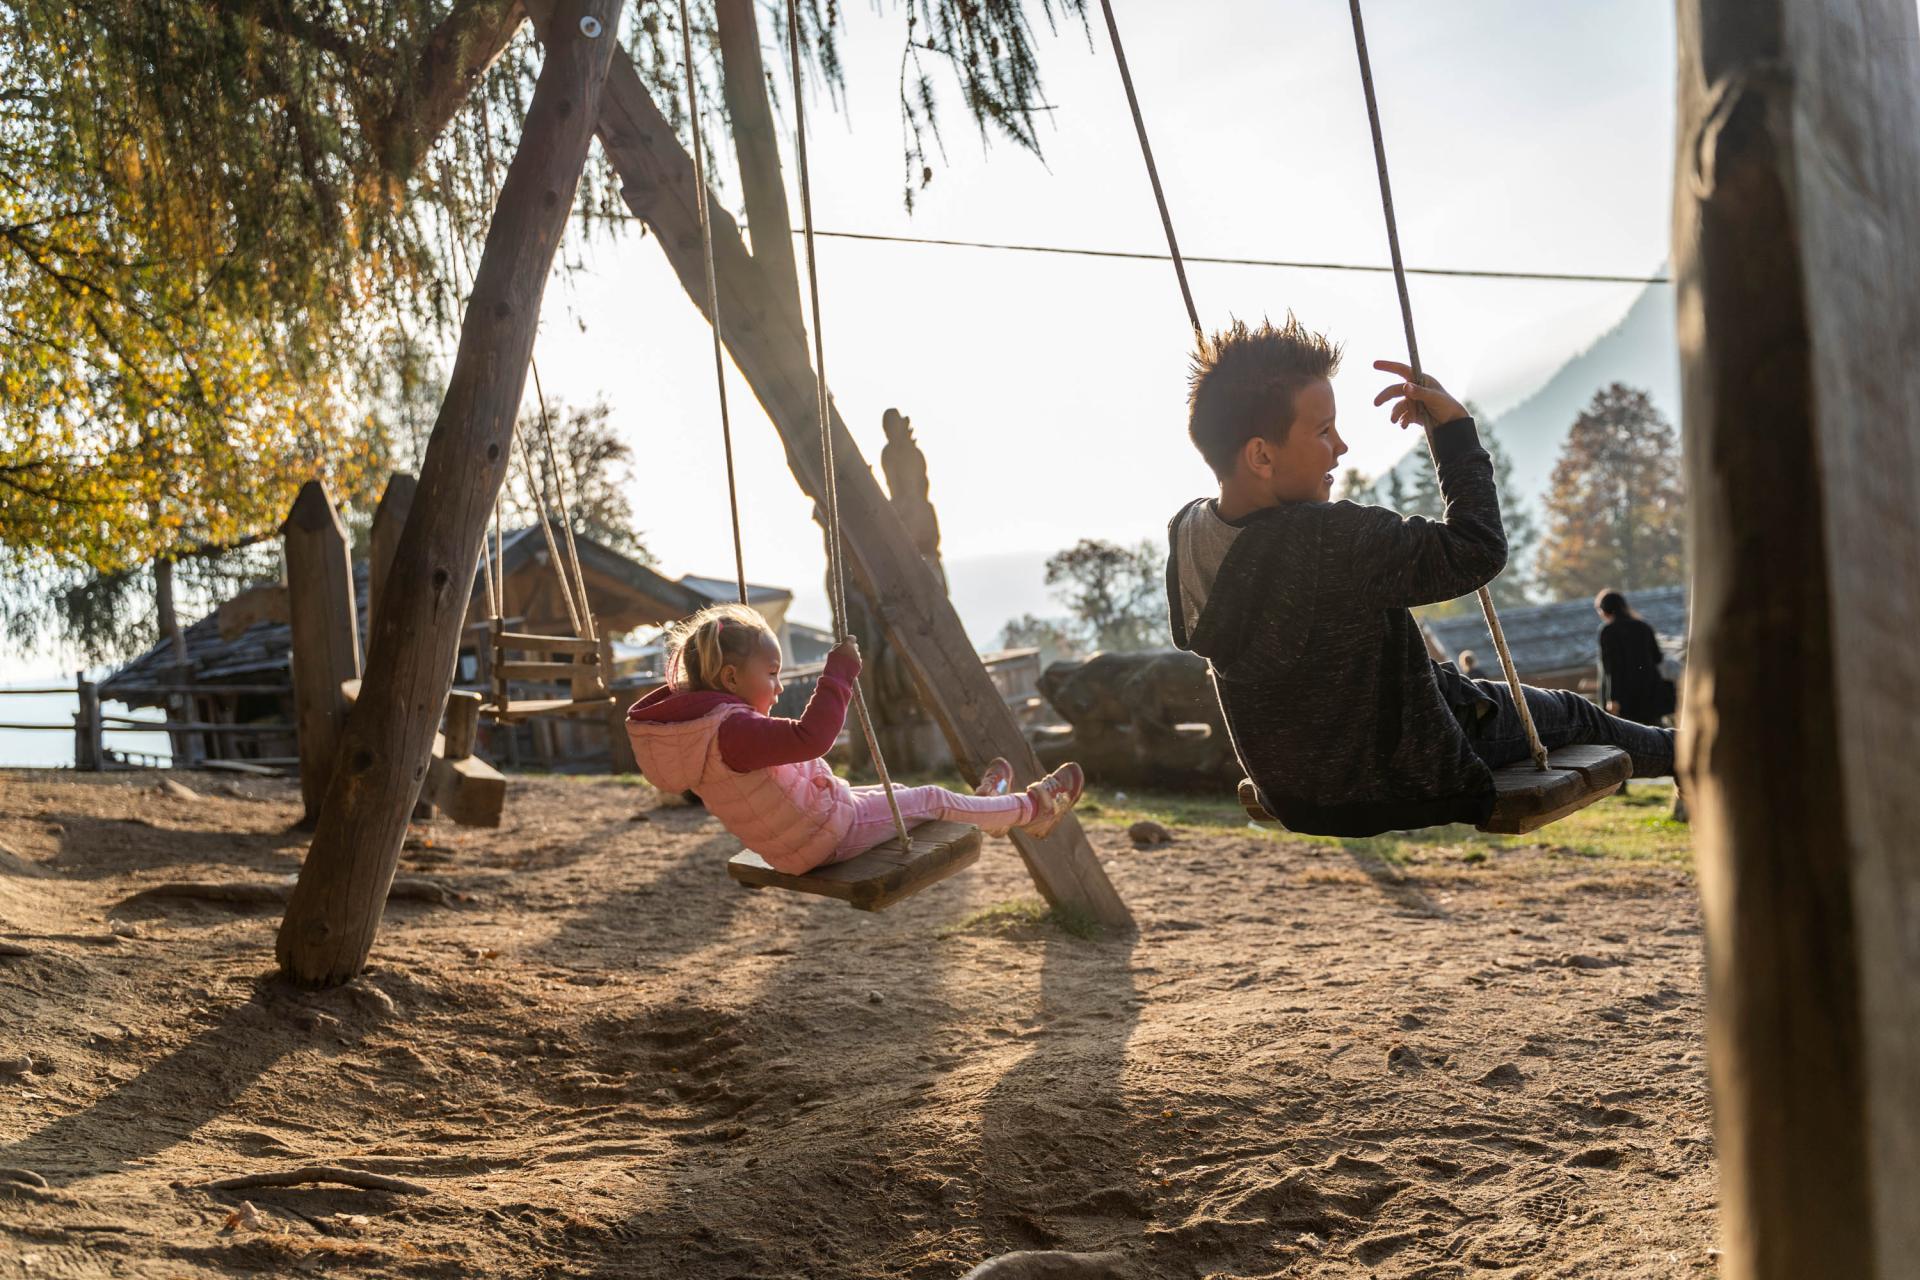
{"x": 1301, "y": 604}
{"x": 1631, "y": 685}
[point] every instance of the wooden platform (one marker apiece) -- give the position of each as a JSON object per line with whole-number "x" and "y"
{"x": 1525, "y": 798}
{"x": 879, "y": 877}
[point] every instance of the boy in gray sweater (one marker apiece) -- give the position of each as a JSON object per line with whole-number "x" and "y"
{"x": 1301, "y": 604}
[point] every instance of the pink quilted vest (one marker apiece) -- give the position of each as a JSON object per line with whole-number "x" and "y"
{"x": 793, "y": 815}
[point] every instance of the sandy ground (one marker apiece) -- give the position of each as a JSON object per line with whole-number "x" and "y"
{"x": 612, "y": 1062}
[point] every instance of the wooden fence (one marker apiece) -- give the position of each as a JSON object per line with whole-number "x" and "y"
{"x": 90, "y": 725}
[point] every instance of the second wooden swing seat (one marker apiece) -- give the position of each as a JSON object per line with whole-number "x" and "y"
{"x": 1526, "y": 797}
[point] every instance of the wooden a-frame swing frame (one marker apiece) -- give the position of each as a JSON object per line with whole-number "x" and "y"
{"x": 335, "y": 910}
{"x": 1797, "y": 175}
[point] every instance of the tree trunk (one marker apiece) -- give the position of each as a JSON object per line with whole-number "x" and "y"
{"x": 756, "y": 145}
{"x": 1796, "y": 251}
{"x": 771, "y": 351}
{"x": 335, "y": 908}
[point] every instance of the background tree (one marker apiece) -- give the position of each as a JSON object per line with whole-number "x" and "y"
{"x": 222, "y": 222}
{"x": 1115, "y": 595}
{"x": 1617, "y": 505}
{"x": 596, "y": 471}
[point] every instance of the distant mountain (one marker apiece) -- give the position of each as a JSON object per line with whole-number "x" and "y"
{"x": 1643, "y": 350}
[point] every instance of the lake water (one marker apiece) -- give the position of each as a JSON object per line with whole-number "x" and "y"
{"x": 52, "y": 749}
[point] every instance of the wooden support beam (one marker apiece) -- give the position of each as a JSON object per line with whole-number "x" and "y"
{"x": 1796, "y": 252}
{"x": 388, "y": 519}
{"x": 619, "y": 745}
{"x": 264, "y": 603}
{"x": 89, "y": 755}
{"x": 465, "y": 788}
{"x": 756, "y": 142}
{"x": 326, "y": 640}
{"x": 334, "y": 912}
{"x": 771, "y": 351}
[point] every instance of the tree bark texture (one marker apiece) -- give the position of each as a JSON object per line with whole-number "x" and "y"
{"x": 771, "y": 351}
{"x": 1797, "y": 248}
{"x": 335, "y": 909}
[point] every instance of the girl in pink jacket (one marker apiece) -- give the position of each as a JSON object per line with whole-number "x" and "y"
{"x": 709, "y": 731}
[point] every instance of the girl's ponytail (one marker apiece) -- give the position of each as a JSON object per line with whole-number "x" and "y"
{"x": 699, "y": 646}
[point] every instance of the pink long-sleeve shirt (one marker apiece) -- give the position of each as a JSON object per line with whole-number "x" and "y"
{"x": 749, "y": 740}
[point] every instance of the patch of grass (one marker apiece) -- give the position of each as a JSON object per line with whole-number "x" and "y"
{"x": 1124, "y": 806}
{"x": 1024, "y": 918}
{"x": 1630, "y": 828}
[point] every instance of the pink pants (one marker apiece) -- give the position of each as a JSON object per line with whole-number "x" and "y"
{"x": 873, "y": 821}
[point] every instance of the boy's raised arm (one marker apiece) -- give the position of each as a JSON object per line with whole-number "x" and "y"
{"x": 1408, "y": 561}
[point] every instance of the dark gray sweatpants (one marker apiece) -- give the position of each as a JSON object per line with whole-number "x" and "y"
{"x": 1563, "y": 719}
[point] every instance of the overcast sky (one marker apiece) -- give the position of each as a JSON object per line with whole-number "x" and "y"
{"x": 1048, "y": 392}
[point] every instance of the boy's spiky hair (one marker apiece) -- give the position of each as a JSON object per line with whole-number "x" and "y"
{"x": 1243, "y": 382}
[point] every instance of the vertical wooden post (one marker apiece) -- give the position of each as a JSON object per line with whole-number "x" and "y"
{"x": 89, "y": 755}
{"x": 463, "y": 723}
{"x": 335, "y": 910}
{"x": 326, "y": 641}
{"x": 619, "y": 745}
{"x": 1796, "y": 251}
{"x": 388, "y": 519}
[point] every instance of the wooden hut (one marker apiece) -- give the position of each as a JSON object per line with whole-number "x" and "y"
{"x": 1554, "y": 646}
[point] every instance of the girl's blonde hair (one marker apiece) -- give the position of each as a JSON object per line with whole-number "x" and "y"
{"x": 699, "y": 646}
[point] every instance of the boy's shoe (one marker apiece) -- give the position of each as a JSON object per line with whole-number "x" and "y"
{"x": 996, "y": 779}
{"x": 1053, "y": 798}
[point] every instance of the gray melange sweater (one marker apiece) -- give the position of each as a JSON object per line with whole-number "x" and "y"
{"x": 1334, "y": 705}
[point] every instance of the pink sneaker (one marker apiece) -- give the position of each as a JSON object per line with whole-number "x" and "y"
{"x": 1053, "y": 798}
{"x": 996, "y": 779}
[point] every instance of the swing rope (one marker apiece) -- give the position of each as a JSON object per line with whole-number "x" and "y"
{"x": 1534, "y": 746}
{"x": 576, "y": 580}
{"x": 836, "y": 555}
{"x": 713, "y": 292}
{"x": 1153, "y": 171}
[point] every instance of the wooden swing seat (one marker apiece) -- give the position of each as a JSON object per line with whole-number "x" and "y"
{"x": 584, "y": 672}
{"x": 528, "y": 708}
{"x": 881, "y": 876}
{"x": 1525, "y": 798}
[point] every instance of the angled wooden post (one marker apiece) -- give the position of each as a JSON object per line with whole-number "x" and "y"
{"x": 1796, "y": 252}
{"x": 326, "y": 641}
{"x": 771, "y": 351}
{"x": 336, "y": 906}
